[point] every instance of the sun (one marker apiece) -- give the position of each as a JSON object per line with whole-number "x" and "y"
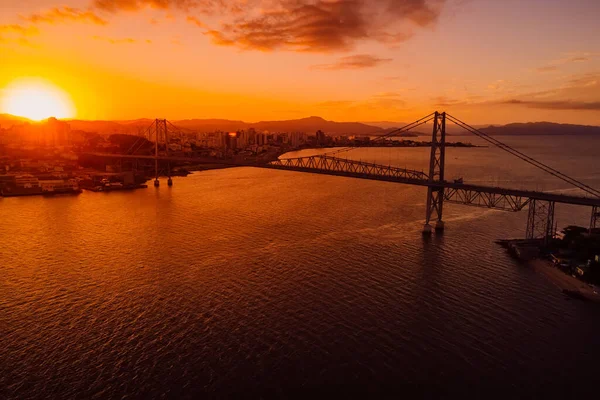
{"x": 36, "y": 99}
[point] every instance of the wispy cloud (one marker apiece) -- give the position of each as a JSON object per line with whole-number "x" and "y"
{"x": 389, "y": 101}
{"x": 580, "y": 92}
{"x": 119, "y": 40}
{"x": 19, "y": 29}
{"x": 579, "y": 59}
{"x": 556, "y": 104}
{"x": 65, "y": 14}
{"x": 17, "y": 34}
{"x": 444, "y": 101}
{"x": 549, "y": 68}
{"x": 21, "y": 41}
{"x": 359, "y": 61}
{"x": 195, "y": 21}
{"x": 134, "y": 5}
{"x": 218, "y": 38}
{"x": 567, "y": 58}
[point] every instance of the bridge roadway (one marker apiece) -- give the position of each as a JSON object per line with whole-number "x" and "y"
{"x": 476, "y": 195}
{"x": 460, "y": 193}
{"x": 195, "y": 160}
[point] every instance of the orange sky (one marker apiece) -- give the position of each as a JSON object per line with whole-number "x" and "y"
{"x": 483, "y": 60}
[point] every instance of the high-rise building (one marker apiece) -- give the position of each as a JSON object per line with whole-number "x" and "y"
{"x": 242, "y": 139}
{"x": 297, "y": 139}
{"x": 321, "y": 137}
{"x": 55, "y": 132}
{"x": 261, "y": 139}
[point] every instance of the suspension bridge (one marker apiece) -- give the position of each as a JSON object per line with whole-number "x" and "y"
{"x": 540, "y": 205}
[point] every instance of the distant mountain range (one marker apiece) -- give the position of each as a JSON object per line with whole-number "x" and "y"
{"x": 542, "y": 128}
{"x": 311, "y": 125}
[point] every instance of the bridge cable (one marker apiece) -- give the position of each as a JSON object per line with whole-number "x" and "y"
{"x": 139, "y": 142}
{"x": 524, "y": 157}
{"x": 408, "y": 127}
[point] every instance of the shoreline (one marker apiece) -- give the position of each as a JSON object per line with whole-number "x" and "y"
{"x": 569, "y": 285}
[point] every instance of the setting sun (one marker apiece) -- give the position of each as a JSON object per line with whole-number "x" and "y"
{"x": 37, "y": 100}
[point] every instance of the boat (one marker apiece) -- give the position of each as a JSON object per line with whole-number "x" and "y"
{"x": 21, "y": 185}
{"x": 59, "y": 186}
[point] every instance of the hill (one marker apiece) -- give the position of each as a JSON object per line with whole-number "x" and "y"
{"x": 7, "y": 120}
{"x": 313, "y": 124}
{"x": 211, "y": 125}
{"x": 542, "y": 128}
{"x": 308, "y": 125}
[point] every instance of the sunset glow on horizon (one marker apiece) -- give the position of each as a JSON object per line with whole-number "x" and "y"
{"x": 252, "y": 60}
{"x": 36, "y": 99}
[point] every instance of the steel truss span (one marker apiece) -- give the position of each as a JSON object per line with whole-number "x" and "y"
{"x": 478, "y": 198}
{"x": 337, "y": 166}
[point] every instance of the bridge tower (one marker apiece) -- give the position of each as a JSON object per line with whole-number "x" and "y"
{"x": 540, "y": 221}
{"x": 160, "y": 134}
{"x": 595, "y": 220}
{"x": 435, "y": 194}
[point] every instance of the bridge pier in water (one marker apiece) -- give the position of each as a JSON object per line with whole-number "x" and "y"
{"x": 540, "y": 220}
{"x": 435, "y": 194}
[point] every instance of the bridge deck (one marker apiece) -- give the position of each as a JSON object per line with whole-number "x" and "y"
{"x": 477, "y": 195}
{"x": 524, "y": 194}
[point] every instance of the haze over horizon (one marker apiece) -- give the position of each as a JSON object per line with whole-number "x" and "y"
{"x": 258, "y": 60}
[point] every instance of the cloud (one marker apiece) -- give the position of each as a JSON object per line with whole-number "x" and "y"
{"x": 20, "y": 41}
{"x": 218, "y": 38}
{"x": 579, "y": 59}
{"x": 328, "y": 25}
{"x": 19, "y": 29}
{"x": 204, "y": 6}
{"x": 65, "y": 14}
{"x": 17, "y": 34}
{"x": 335, "y": 103}
{"x": 549, "y": 68}
{"x": 568, "y": 58}
{"x": 359, "y": 61}
{"x": 387, "y": 101}
{"x": 195, "y": 21}
{"x": 578, "y": 92}
{"x": 117, "y": 41}
{"x": 444, "y": 101}
{"x": 299, "y": 25}
{"x": 556, "y": 104}
{"x": 584, "y": 81}
{"x": 498, "y": 85}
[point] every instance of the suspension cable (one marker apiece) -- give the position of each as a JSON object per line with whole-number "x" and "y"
{"x": 139, "y": 142}
{"x": 405, "y": 128}
{"x": 524, "y": 157}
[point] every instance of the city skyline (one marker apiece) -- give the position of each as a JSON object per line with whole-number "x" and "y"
{"x": 278, "y": 60}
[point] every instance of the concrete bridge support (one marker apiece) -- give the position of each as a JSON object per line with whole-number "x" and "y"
{"x": 435, "y": 195}
{"x": 595, "y": 220}
{"x": 540, "y": 221}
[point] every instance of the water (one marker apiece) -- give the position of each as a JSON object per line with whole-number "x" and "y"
{"x": 248, "y": 282}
